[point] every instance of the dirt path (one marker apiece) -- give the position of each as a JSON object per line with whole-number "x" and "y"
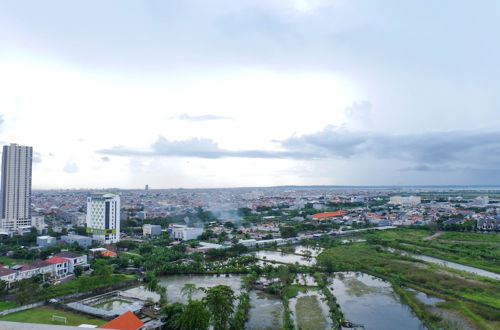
{"x": 430, "y": 238}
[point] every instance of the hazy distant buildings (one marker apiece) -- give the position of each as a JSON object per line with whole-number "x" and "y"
{"x": 401, "y": 200}
{"x": 103, "y": 217}
{"x": 15, "y": 194}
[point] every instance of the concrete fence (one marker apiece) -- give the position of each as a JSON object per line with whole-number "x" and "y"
{"x": 21, "y": 308}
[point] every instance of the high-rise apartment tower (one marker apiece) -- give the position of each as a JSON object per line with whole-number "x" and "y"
{"x": 103, "y": 217}
{"x": 15, "y": 194}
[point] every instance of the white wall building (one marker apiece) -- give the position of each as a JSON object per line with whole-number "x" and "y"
{"x": 185, "y": 233}
{"x": 15, "y": 193}
{"x": 401, "y": 200}
{"x": 151, "y": 230}
{"x": 45, "y": 241}
{"x": 103, "y": 217}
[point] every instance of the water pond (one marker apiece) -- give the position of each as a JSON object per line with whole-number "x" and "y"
{"x": 266, "y": 312}
{"x": 113, "y": 304}
{"x": 174, "y": 284}
{"x": 304, "y": 250}
{"x": 370, "y": 301}
{"x": 310, "y": 311}
{"x": 285, "y": 258}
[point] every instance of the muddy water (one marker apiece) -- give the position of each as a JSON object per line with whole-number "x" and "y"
{"x": 371, "y": 302}
{"x": 266, "y": 312}
{"x": 310, "y": 311}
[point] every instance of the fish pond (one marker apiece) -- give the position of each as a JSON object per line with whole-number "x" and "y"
{"x": 371, "y": 302}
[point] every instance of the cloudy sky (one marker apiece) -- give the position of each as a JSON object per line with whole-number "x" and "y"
{"x": 226, "y": 93}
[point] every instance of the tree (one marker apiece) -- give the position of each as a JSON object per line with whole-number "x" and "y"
{"x": 288, "y": 231}
{"x": 78, "y": 271}
{"x": 27, "y": 291}
{"x": 162, "y": 291}
{"x": 4, "y": 288}
{"x": 151, "y": 281}
{"x": 172, "y": 314}
{"x": 219, "y": 301}
{"x": 189, "y": 289}
{"x": 195, "y": 316}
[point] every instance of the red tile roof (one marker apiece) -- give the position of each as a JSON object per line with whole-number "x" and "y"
{"x": 126, "y": 321}
{"x": 328, "y": 215}
{"x": 56, "y": 260}
{"x": 108, "y": 254}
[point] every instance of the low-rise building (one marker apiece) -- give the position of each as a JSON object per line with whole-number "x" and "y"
{"x": 45, "y": 241}
{"x": 7, "y": 274}
{"x": 185, "y": 233}
{"x": 83, "y": 241}
{"x": 151, "y": 230}
{"x": 61, "y": 265}
{"x": 75, "y": 260}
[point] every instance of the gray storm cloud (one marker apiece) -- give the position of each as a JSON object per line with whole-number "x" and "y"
{"x": 427, "y": 151}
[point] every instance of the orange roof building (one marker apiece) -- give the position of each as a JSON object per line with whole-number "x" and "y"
{"x": 328, "y": 215}
{"x": 108, "y": 253}
{"x": 126, "y": 321}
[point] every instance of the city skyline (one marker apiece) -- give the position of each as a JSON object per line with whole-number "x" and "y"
{"x": 253, "y": 93}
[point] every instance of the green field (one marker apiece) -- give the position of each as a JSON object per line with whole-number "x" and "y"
{"x": 485, "y": 256}
{"x": 11, "y": 261}
{"x": 7, "y": 305}
{"x": 82, "y": 284}
{"x": 471, "y": 237}
{"x": 44, "y": 315}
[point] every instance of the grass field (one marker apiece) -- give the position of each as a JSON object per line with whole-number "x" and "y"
{"x": 82, "y": 284}
{"x": 485, "y": 256}
{"x": 471, "y": 237}
{"x": 11, "y": 261}
{"x": 7, "y": 305}
{"x": 44, "y": 315}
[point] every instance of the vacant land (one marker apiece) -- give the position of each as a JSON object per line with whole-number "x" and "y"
{"x": 472, "y": 237}
{"x": 475, "y": 298}
{"x": 44, "y": 315}
{"x": 485, "y": 256}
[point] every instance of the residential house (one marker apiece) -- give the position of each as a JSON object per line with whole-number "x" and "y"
{"x": 75, "y": 260}
{"x": 61, "y": 265}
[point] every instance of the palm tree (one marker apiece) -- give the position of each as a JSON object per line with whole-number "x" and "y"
{"x": 189, "y": 289}
{"x": 219, "y": 301}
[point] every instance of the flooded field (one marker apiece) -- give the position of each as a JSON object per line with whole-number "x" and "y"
{"x": 305, "y": 279}
{"x": 285, "y": 258}
{"x": 174, "y": 284}
{"x": 310, "y": 311}
{"x": 449, "y": 264}
{"x": 266, "y": 312}
{"x": 308, "y": 250}
{"x": 371, "y": 302}
{"x": 113, "y": 304}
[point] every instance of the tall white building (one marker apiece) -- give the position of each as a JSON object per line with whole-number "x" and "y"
{"x": 15, "y": 195}
{"x": 103, "y": 217}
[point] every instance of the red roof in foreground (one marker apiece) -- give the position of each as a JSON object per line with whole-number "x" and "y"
{"x": 56, "y": 260}
{"x": 326, "y": 215}
{"x": 126, "y": 321}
